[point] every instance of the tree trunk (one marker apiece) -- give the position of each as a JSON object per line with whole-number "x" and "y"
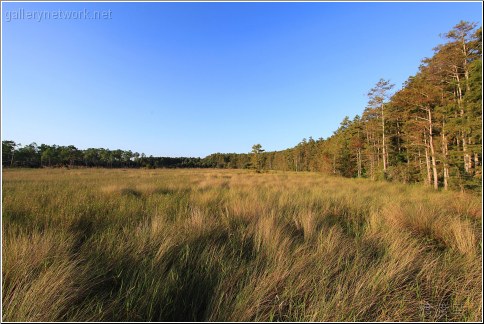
{"x": 427, "y": 162}
{"x": 445, "y": 153}
{"x": 432, "y": 152}
{"x": 460, "y": 104}
{"x": 383, "y": 140}
{"x": 466, "y": 68}
{"x": 466, "y": 154}
{"x": 470, "y": 159}
{"x": 377, "y": 150}
{"x": 370, "y": 154}
{"x": 419, "y": 161}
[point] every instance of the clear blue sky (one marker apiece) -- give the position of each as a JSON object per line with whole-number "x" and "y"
{"x": 190, "y": 79}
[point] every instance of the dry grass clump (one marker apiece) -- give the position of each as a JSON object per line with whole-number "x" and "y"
{"x": 39, "y": 276}
{"x": 220, "y": 245}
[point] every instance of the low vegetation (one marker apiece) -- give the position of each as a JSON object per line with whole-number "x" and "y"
{"x": 235, "y": 245}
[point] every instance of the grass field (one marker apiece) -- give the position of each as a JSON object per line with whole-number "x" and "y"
{"x": 219, "y": 245}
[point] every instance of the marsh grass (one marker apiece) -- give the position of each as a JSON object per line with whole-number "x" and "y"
{"x": 211, "y": 245}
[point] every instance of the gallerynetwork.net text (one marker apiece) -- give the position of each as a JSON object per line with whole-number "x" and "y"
{"x": 40, "y": 15}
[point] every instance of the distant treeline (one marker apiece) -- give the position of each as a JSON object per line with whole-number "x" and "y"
{"x": 429, "y": 131}
{"x": 35, "y": 156}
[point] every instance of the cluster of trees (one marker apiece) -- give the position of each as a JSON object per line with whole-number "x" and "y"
{"x": 34, "y": 156}
{"x": 429, "y": 131}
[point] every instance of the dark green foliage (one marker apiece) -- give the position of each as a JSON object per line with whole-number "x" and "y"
{"x": 34, "y": 156}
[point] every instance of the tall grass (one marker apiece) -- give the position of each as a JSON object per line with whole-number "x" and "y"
{"x": 211, "y": 245}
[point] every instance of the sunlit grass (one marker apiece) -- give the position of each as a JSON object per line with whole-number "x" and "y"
{"x": 219, "y": 245}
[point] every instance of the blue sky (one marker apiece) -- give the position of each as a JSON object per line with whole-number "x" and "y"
{"x": 190, "y": 79}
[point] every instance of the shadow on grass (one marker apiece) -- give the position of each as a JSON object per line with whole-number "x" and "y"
{"x": 179, "y": 287}
{"x": 164, "y": 191}
{"x": 352, "y": 227}
{"x": 19, "y": 218}
{"x": 130, "y": 192}
{"x": 82, "y": 229}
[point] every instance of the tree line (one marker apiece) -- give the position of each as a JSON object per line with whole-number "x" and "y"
{"x": 38, "y": 156}
{"x": 429, "y": 131}
{"x": 35, "y": 156}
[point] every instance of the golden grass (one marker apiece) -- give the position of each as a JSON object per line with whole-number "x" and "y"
{"x": 232, "y": 245}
